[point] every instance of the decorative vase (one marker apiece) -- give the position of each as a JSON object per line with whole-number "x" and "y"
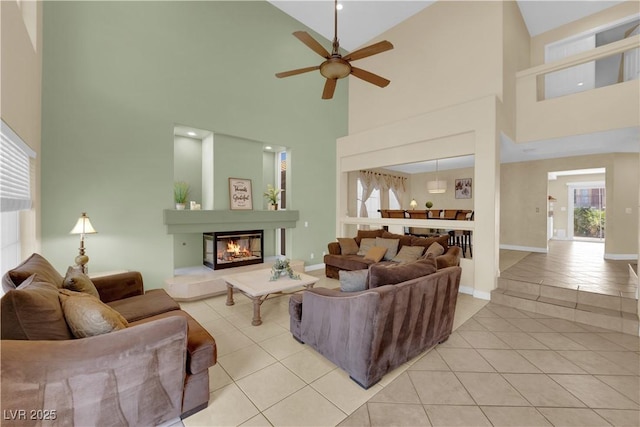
{"x": 273, "y": 206}
{"x": 180, "y": 206}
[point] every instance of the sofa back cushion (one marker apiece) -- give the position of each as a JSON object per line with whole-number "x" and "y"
{"x": 383, "y": 274}
{"x": 33, "y": 312}
{"x": 367, "y": 234}
{"x": 35, "y": 264}
{"x": 443, "y": 240}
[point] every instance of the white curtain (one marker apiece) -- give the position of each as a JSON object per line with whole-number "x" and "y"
{"x": 369, "y": 183}
{"x": 396, "y": 184}
{"x": 372, "y": 180}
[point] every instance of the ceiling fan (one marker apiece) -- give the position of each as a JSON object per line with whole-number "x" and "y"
{"x": 335, "y": 65}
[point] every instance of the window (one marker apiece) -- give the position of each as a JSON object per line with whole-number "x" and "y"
{"x": 15, "y": 192}
{"x": 10, "y": 241}
{"x": 372, "y": 203}
{"x": 394, "y": 203}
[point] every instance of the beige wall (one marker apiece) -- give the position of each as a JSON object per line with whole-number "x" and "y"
{"x": 449, "y": 53}
{"x": 523, "y": 188}
{"x": 447, "y": 200}
{"x": 515, "y": 58}
{"x": 20, "y": 101}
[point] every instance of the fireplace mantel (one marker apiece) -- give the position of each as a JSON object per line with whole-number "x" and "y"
{"x": 203, "y": 221}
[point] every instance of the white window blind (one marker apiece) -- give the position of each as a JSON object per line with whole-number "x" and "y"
{"x": 15, "y": 188}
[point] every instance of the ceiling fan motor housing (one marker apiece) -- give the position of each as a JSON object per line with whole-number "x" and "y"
{"x": 335, "y": 68}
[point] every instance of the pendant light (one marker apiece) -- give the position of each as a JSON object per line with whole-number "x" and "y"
{"x": 437, "y": 186}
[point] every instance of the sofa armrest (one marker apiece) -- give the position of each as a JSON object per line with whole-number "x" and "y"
{"x": 134, "y": 376}
{"x": 334, "y": 248}
{"x": 119, "y": 286}
{"x": 345, "y": 327}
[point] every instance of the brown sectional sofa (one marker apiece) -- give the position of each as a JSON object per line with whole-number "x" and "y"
{"x": 151, "y": 372}
{"x": 335, "y": 261}
{"x": 371, "y": 332}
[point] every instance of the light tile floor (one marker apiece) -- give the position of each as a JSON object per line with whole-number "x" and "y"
{"x": 577, "y": 265}
{"x": 501, "y": 366}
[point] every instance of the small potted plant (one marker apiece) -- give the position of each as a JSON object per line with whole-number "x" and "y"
{"x": 181, "y": 191}
{"x": 272, "y": 197}
{"x": 429, "y": 204}
{"x": 282, "y": 268}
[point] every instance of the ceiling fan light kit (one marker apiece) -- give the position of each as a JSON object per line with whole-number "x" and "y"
{"x": 335, "y": 65}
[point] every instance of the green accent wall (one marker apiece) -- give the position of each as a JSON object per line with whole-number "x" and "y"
{"x": 117, "y": 77}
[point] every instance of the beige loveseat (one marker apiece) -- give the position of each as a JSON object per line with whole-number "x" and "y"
{"x": 150, "y": 372}
{"x": 337, "y": 260}
{"x": 406, "y": 309}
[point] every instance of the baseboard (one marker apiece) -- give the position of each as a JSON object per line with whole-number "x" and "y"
{"x": 466, "y": 290}
{"x": 524, "y": 248}
{"x": 482, "y": 295}
{"x": 621, "y": 257}
{"x": 476, "y": 294}
{"x": 314, "y": 267}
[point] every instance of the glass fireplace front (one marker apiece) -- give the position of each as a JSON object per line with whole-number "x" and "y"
{"x": 227, "y": 249}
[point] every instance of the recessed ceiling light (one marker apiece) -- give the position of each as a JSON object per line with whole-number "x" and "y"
{"x": 581, "y": 84}
{"x": 191, "y": 133}
{"x": 268, "y": 147}
{"x": 339, "y": 6}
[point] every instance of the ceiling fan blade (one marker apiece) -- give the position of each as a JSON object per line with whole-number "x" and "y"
{"x": 298, "y": 71}
{"x": 375, "y": 48}
{"x": 370, "y": 77}
{"x": 329, "y": 88}
{"x": 305, "y": 38}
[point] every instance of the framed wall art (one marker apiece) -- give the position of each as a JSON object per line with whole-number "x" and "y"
{"x": 463, "y": 188}
{"x": 240, "y": 195}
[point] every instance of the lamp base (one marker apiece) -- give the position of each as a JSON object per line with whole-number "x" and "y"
{"x": 81, "y": 263}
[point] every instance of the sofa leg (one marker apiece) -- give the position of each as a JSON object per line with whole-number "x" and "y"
{"x": 193, "y": 410}
{"x": 358, "y": 382}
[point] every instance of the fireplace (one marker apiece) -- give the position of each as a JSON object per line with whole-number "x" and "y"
{"x": 226, "y": 249}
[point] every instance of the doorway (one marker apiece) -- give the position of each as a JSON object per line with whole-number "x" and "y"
{"x": 577, "y": 205}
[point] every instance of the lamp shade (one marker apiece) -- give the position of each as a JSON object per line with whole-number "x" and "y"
{"x": 437, "y": 186}
{"x": 413, "y": 204}
{"x": 83, "y": 226}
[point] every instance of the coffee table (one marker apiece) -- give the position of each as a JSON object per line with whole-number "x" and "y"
{"x": 257, "y": 287}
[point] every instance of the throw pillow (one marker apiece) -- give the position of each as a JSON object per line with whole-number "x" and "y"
{"x": 405, "y": 239}
{"x": 365, "y": 245}
{"x": 436, "y": 249}
{"x": 76, "y": 280}
{"x": 408, "y": 254}
{"x": 380, "y": 275}
{"x": 35, "y": 264}
{"x": 87, "y": 316}
{"x": 348, "y": 246}
{"x": 353, "y": 281}
{"x": 390, "y": 244}
{"x": 33, "y": 312}
{"x": 376, "y": 253}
